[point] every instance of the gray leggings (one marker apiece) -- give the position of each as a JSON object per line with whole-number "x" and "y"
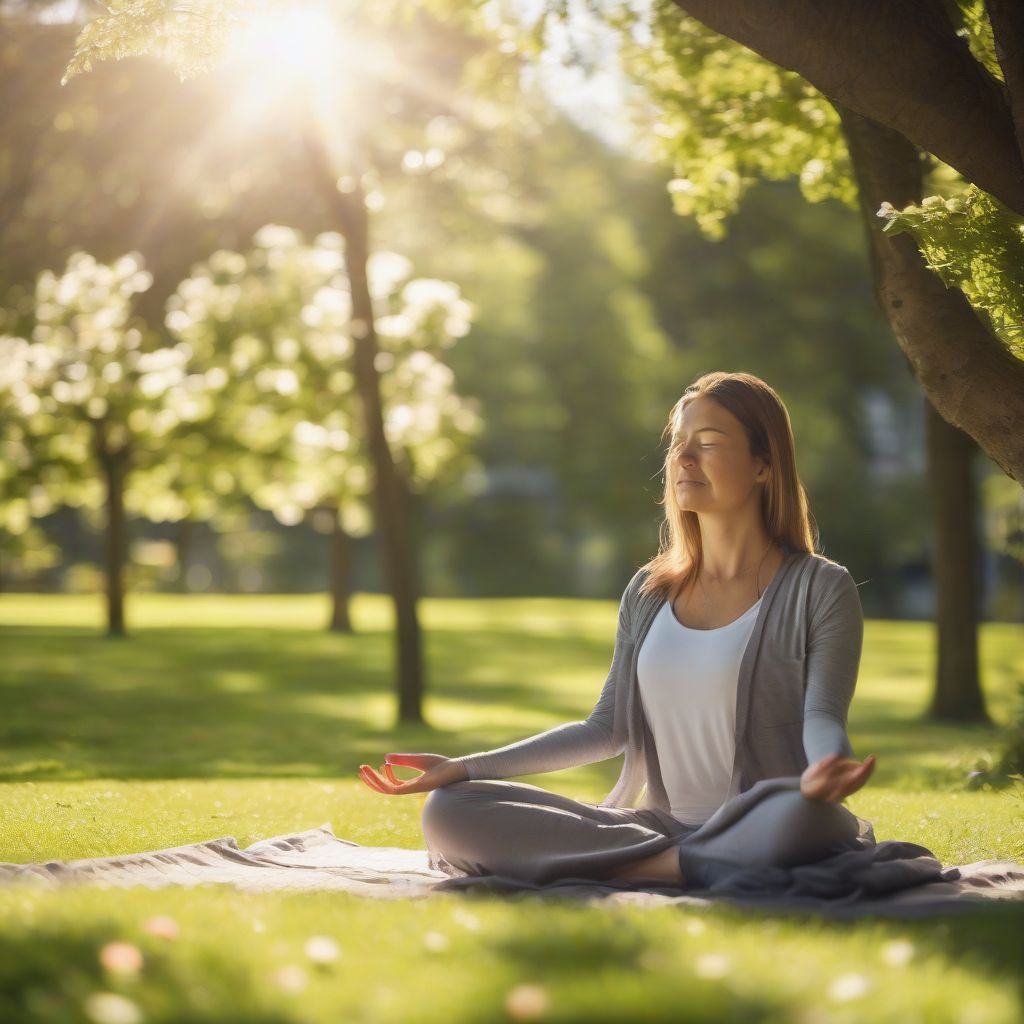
{"x": 497, "y": 827}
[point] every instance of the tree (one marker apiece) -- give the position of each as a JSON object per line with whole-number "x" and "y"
{"x": 90, "y": 398}
{"x": 919, "y": 78}
{"x": 725, "y": 117}
{"x": 276, "y": 321}
{"x": 195, "y": 38}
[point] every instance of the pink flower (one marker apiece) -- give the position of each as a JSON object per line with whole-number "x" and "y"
{"x": 161, "y": 926}
{"x": 526, "y": 1002}
{"x": 121, "y": 958}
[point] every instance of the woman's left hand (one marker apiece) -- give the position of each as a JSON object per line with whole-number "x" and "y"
{"x": 835, "y": 777}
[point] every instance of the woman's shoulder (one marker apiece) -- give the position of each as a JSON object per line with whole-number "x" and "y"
{"x": 829, "y": 585}
{"x": 821, "y": 567}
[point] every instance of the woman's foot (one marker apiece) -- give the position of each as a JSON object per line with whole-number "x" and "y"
{"x": 662, "y": 867}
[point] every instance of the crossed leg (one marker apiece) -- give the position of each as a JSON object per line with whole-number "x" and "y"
{"x": 492, "y": 826}
{"x": 770, "y": 825}
{"x": 497, "y": 827}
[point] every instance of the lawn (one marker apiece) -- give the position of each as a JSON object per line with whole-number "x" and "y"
{"x": 240, "y": 716}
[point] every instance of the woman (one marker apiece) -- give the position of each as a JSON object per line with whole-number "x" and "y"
{"x": 736, "y": 657}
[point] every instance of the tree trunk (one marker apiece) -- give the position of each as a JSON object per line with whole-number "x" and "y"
{"x": 183, "y": 546}
{"x": 397, "y": 551}
{"x": 341, "y": 578}
{"x": 114, "y": 467}
{"x": 922, "y": 312}
{"x": 957, "y": 696}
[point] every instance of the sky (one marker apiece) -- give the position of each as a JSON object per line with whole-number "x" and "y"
{"x": 594, "y": 97}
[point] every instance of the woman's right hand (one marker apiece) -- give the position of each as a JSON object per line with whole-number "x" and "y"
{"x": 835, "y": 777}
{"x": 433, "y": 768}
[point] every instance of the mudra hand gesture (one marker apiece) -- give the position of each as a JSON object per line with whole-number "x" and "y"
{"x": 432, "y": 768}
{"x": 835, "y": 777}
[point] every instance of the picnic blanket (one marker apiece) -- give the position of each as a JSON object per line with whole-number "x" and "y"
{"x": 891, "y": 878}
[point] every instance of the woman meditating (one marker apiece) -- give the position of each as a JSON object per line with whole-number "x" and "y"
{"x": 735, "y": 661}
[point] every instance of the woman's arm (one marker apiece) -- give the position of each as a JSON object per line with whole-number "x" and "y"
{"x": 573, "y": 743}
{"x": 836, "y": 635}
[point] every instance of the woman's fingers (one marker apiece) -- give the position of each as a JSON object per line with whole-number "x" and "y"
{"x": 391, "y": 785}
{"x": 406, "y": 760}
{"x": 367, "y": 774}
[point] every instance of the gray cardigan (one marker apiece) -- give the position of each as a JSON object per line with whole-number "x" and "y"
{"x": 796, "y": 681}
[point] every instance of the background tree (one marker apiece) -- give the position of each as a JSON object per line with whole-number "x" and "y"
{"x": 94, "y": 396}
{"x": 277, "y": 321}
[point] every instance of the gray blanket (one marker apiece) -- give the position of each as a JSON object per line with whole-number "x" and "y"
{"x": 892, "y": 879}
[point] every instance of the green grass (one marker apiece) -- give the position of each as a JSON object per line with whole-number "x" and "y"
{"x": 240, "y": 716}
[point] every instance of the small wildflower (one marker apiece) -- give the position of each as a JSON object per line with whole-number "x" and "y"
{"x": 695, "y": 927}
{"x": 259, "y": 927}
{"x": 886, "y": 210}
{"x": 111, "y": 1008}
{"x": 290, "y": 978}
{"x": 121, "y": 958}
{"x": 435, "y": 941}
{"x": 466, "y": 919}
{"x": 898, "y": 953}
{"x": 526, "y": 1002}
{"x": 322, "y": 949}
{"x": 713, "y": 965}
{"x": 848, "y": 986}
{"x": 161, "y": 926}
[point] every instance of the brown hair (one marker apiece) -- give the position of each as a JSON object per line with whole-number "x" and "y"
{"x": 785, "y": 508}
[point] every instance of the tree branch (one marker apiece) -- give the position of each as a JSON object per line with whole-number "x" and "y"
{"x": 899, "y": 64}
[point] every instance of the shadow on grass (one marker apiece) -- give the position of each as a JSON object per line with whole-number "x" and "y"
{"x": 175, "y": 703}
{"x": 56, "y": 975}
{"x": 293, "y": 703}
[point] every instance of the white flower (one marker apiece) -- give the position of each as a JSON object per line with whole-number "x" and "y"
{"x": 322, "y": 949}
{"x": 898, "y": 953}
{"x": 290, "y": 978}
{"x": 713, "y": 965}
{"x": 848, "y": 986}
{"x": 110, "y": 1008}
{"x": 466, "y": 919}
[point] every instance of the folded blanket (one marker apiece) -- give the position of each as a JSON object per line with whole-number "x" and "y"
{"x": 895, "y": 879}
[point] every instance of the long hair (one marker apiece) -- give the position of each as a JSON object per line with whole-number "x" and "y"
{"x": 785, "y": 509}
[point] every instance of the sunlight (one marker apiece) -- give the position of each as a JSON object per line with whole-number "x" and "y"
{"x": 276, "y": 51}
{"x": 303, "y": 42}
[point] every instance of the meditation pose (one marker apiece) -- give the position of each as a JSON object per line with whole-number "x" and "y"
{"x": 735, "y": 660}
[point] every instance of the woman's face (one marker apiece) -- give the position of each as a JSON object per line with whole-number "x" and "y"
{"x": 709, "y": 462}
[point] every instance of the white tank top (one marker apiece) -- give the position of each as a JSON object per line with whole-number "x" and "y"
{"x": 687, "y": 680}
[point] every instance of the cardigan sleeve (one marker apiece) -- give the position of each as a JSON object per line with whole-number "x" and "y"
{"x": 570, "y": 744}
{"x": 835, "y": 639}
